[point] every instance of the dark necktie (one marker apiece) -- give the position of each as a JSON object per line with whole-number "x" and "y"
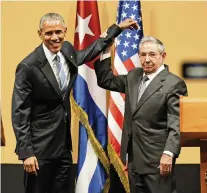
{"x": 142, "y": 88}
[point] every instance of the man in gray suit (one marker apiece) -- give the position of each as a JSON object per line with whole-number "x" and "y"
{"x": 151, "y": 134}
{"x": 41, "y": 113}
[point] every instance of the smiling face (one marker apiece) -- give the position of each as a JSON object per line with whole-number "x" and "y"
{"x": 150, "y": 57}
{"x": 53, "y": 35}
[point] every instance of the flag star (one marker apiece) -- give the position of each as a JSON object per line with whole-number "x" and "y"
{"x": 134, "y": 7}
{"x": 126, "y": 6}
{"x": 124, "y": 14}
{"x": 132, "y": 16}
{"x": 136, "y": 37}
{"x": 117, "y": 42}
{"x": 140, "y": 19}
{"x": 128, "y": 35}
{"x": 83, "y": 28}
{"x": 124, "y": 53}
{"x": 139, "y": 28}
{"x": 134, "y": 46}
{"x": 126, "y": 44}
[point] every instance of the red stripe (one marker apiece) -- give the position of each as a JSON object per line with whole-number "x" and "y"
{"x": 115, "y": 144}
{"x": 116, "y": 113}
{"x": 129, "y": 65}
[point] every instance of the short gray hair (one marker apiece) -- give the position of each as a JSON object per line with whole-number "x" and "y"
{"x": 154, "y": 40}
{"x": 51, "y": 17}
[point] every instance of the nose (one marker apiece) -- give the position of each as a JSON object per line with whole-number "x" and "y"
{"x": 54, "y": 36}
{"x": 147, "y": 58}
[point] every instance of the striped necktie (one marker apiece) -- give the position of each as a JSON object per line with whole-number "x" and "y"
{"x": 61, "y": 77}
{"x": 142, "y": 88}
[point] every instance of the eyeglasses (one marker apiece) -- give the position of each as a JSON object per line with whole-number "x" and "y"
{"x": 151, "y": 55}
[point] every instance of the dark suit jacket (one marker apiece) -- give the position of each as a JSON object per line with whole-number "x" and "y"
{"x": 152, "y": 125}
{"x": 40, "y": 115}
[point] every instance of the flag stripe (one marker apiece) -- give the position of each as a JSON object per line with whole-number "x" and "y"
{"x": 116, "y": 112}
{"x": 115, "y": 129}
{"x": 96, "y": 92}
{"x": 87, "y": 170}
{"x": 118, "y": 101}
{"x": 129, "y": 65}
{"x": 113, "y": 141}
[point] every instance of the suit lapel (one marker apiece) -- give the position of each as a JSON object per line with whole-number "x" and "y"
{"x": 46, "y": 69}
{"x": 133, "y": 86}
{"x": 67, "y": 53}
{"x": 154, "y": 85}
{"x": 71, "y": 65}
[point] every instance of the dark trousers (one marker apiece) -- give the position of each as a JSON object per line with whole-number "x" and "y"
{"x": 53, "y": 176}
{"x": 150, "y": 183}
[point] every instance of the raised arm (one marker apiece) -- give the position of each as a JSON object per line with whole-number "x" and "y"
{"x": 105, "y": 77}
{"x": 100, "y": 44}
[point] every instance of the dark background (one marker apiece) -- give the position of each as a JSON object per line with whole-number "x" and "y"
{"x": 187, "y": 176}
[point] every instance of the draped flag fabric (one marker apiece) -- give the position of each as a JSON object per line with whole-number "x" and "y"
{"x": 89, "y": 104}
{"x": 126, "y": 58}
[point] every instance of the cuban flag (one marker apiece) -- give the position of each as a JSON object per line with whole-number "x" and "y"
{"x": 90, "y": 106}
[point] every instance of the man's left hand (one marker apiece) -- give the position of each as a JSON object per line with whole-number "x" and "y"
{"x": 128, "y": 24}
{"x": 165, "y": 165}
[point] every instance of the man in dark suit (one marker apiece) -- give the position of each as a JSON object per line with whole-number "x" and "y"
{"x": 151, "y": 135}
{"x": 41, "y": 113}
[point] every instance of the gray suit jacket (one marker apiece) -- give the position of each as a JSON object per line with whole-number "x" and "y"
{"x": 152, "y": 125}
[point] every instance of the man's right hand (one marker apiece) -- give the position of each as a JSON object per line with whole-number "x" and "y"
{"x": 31, "y": 165}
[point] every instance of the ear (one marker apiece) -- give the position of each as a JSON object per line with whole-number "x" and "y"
{"x": 39, "y": 34}
{"x": 65, "y": 31}
{"x": 164, "y": 55}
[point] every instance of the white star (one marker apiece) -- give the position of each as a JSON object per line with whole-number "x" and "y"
{"x": 128, "y": 35}
{"x": 124, "y": 14}
{"x": 140, "y": 19}
{"x": 139, "y": 28}
{"x": 134, "y": 7}
{"x": 132, "y": 16}
{"x": 134, "y": 46}
{"x": 126, "y": 44}
{"x": 136, "y": 37}
{"x": 126, "y": 6}
{"x": 83, "y": 27}
{"x": 123, "y": 53}
{"x": 117, "y": 42}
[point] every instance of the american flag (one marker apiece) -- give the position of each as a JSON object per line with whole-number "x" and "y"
{"x": 126, "y": 58}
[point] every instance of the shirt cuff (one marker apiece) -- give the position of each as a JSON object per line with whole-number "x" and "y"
{"x": 169, "y": 153}
{"x": 103, "y": 56}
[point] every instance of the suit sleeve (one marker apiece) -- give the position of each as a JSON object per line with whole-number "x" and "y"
{"x": 97, "y": 46}
{"x": 106, "y": 79}
{"x": 173, "y": 117}
{"x": 21, "y": 108}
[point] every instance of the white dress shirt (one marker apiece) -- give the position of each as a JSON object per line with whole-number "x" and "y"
{"x": 51, "y": 56}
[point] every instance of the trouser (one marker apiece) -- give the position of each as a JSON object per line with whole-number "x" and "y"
{"x": 150, "y": 183}
{"x": 53, "y": 176}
